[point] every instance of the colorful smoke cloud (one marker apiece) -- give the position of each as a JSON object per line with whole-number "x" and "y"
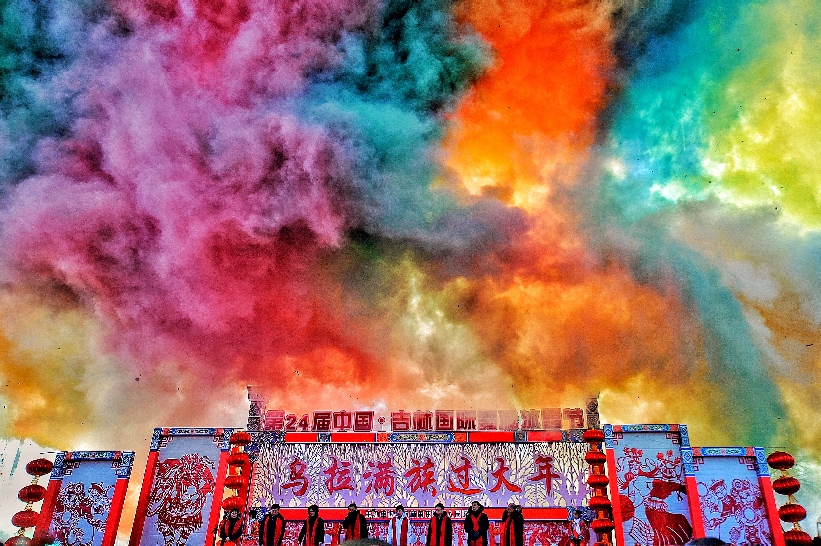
{"x": 426, "y": 203}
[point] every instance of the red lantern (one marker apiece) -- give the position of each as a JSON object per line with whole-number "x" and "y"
{"x": 793, "y": 537}
{"x": 18, "y": 541}
{"x": 26, "y": 518}
{"x": 792, "y": 512}
{"x": 235, "y": 482}
{"x": 238, "y": 459}
{"x": 786, "y": 485}
{"x": 598, "y": 481}
{"x": 780, "y": 460}
{"x": 602, "y": 526}
{"x": 240, "y": 438}
{"x": 595, "y": 457}
{"x": 593, "y": 436}
{"x": 232, "y": 503}
{"x": 39, "y": 467}
{"x": 32, "y": 493}
{"x": 599, "y": 502}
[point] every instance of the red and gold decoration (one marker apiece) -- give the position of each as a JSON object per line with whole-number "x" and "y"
{"x": 239, "y": 472}
{"x": 791, "y": 512}
{"x": 30, "y": 494}
{"x": 597, "y": 480}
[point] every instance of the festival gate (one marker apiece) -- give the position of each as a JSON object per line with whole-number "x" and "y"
{"x": 662, "y": 490}
{"x": 182, "y": 490}
{"x": 85, "y": 497}
{"x": 734, "y": 493}
{"x": 665, "y": 492}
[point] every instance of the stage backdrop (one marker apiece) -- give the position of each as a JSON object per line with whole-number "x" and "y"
{"x": 735, "y": 496}
{"x": 419, "y": 470}
{"x": 85, "y": 497}
{"x": 420, "y": 474}
{"x": 650, "y": 502}
{"x": 180, "y": 501}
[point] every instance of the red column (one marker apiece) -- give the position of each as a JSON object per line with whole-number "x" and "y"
{"x": 766, "y": 487}
{"x": 113, "y": 522}
{"x": 142, "y": 505}
{"x": 47, "y": 511}
{"x": 615, "y": 496}
{"x": 216, "y": 501}
{"x": 693, "y": 501}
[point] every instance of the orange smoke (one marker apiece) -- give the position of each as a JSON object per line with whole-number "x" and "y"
{"x": 535, "y": 110}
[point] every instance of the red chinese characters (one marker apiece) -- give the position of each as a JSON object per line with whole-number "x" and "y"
{"x": 363, "y": 421}
{"x": 382, "y": 477}
{"x": 423, "y": 420}
{"x": 544, "y": 464}
{"x": 400, "y": 421}
{"x": 530, "y": 420}
{"x": 444, "y": 419}
{"x": 339, "y": 476}
{"x": 343, "y": 420}
{"x": 465, "y": 419}
{"x": 462, "y": 473}
{"x": 552, "y": 418}
{"x": 297, "y": 481}
{"x": 575, "y": 416}
{"x": 421, "y": 476}
{"x": 322, "y": 421}
{"x": 501, "y": 479}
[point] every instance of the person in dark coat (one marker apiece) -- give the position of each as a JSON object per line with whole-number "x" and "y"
{"x": 355, "y": 525}
{"x": 230, "y": 529}
{"x": 313, "y": 530}
{"x": 476, "y": 525}
{"x": 272, "y": 528}
{"x": 440, "y": 528}
{"x": 513, "y": 527}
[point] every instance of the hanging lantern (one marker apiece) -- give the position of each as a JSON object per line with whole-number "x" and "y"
{"x": 598, "y": 481}
{"x": 18, "y": 541}
{"x": 232, "y": 503}
{"x": 780, "y": 460}
{"x": 32, "y": 493}
{"x": 793, "y": 537}
{"x": 39, "y": 467}
{"x": 235, "y": 482}
{"x": 786, "y": 485}
{"x": 602, "y": 526}
{"x": 241, "y": 438}
{"x": 593, "y": 436}
{"x": 792, "y": 513}
{"x": 238, "y": 459}
{"x": 595, "y": 457}
{"x": 25, "y": 519}
{"x": 599, "y": 502}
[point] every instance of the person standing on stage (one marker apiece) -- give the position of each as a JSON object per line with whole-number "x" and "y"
{"x": 398, "y": 528}
{"x": 476, "y": 525}
{"x": 355, "y": 525}
{"x": 230, "y": 529}
{"x": 313, "y": 530}
{"x": 440, "y": 528}
{"x": 578, "y": 529}
{"x": 272, "y": 528}
{"x": 513, "y": 527}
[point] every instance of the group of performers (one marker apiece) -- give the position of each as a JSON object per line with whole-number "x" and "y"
{"x": 355, "y": 526}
